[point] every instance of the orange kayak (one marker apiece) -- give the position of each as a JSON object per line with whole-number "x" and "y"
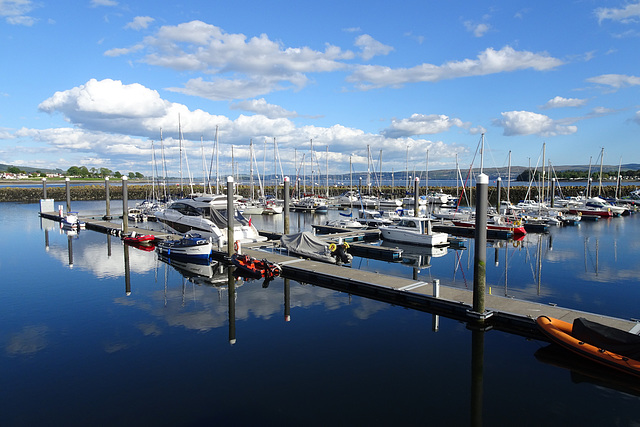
{"x": 603, "y": 344}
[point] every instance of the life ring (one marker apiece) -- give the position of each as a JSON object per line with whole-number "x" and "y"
{"x": 346, "y": 245}
{"x": 332, "y": 247}
{"x": 516, "y": 243}
{"x": 236, "y": 245}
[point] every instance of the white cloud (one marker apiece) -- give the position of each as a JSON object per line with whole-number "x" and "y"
{"x": 370, "y": 47}
{"x": 629, "y": 13}
{"x": 140, "y": 22}
{"x": 616, "y": 81}
{"x": 97, "y": 3}
{"x": 260, "y": 106}
{"x": 478, "y": 30}
{"x": 15, "y": 12}
{"x": 560, "y": 102}
{"x": 488, "y": 62}
{"x": 636, "y": 118}
{"x": 251, "y": 66}
{"x": 114, "y": 122}
{"x": 422, "y": 124}
{"x": 529, "y": 123}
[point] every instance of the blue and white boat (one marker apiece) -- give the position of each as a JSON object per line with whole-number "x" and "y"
{"x": 192, "y": 245}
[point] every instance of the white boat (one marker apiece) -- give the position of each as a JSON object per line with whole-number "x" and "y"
{"x": 136, "y": 215}
{"x": 192, "y": 245}
{"x": 71, "y": 221}
{"x": 373, "y": 218}
{"x": 348, "y": 198}
{"x": 415, "y": 231}
{"x": 348, "y": 223}
{"x": 187, "y": 215}
{"x": 600, "y": 203}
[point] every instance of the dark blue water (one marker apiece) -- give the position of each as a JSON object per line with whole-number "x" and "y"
{"x": 94, "y": 334}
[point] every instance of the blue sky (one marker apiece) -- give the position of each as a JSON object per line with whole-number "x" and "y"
{"x": 94, "y": 82}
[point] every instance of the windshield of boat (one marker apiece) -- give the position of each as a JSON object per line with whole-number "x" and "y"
{"x": 186, "y": 209}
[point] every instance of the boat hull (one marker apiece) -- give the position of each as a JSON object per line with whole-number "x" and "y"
{"x": 560, "y": 332}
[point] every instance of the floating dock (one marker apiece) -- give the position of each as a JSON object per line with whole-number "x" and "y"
{"x": 506, "y": 314}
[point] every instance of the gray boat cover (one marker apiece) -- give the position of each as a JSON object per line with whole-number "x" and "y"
{"x": 307, "y": 245}
{"x": 606, "y": 337}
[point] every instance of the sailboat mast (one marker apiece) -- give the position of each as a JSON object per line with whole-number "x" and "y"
{"x": 251, "y": 169}
{"x": 509, "y": 179}
{"x": 164, "y": 165}
{"x": 217, "y": 157}
{"x": 204, "y": 167}
{"x": 618, "y": 178}
{"x": 544, "y": 145}
{"x": 482, "y": 155}
{"x": 327, "y": 195}
{"x": 601, "y": 159}
{"x": 180, "y": 139}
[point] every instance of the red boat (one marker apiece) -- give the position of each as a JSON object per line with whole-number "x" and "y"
{"x": 139, "y": 239}
{"x": 592, "y": 212}
{"x": 252, "y": 268}
{"x": 500, "y": 223}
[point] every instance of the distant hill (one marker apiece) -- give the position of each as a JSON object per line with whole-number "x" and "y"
{"x": 4, "y": 168}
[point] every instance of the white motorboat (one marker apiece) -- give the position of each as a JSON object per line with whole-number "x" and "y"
{"x": 373, "y": 218}
{"x": 187, "y": 215}
{"x": 71, "y": 221}
{"x": 413, "y": 230}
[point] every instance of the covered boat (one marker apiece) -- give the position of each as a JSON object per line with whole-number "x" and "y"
{"x": 307, "y": 245}
{"x": 603, "y": 344}
{"x": 253, "y": 268}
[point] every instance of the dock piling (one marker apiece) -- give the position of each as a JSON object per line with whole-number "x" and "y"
{"x": 286, "y": 205}
{"x": 230, "y": 213}
{"x": 44, "y": 188}
{"x": 107, "y": 215}
{"x": 480, "y": 251}
{"x": 68, "y": 191}
{"x": 125, "y": 205}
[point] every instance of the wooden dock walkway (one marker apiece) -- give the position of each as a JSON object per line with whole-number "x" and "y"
{"x": 507, "y": 314}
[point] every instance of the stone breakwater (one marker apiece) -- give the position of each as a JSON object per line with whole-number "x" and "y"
{"x": 141, "y": 192}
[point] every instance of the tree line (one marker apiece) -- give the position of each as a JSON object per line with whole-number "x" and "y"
{"x": 84, "y": 172}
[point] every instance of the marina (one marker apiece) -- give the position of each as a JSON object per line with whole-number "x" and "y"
{"x": 405, "y": 300}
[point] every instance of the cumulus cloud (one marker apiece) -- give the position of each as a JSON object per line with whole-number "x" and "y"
{"x": 370, "y": 47}
{"x": 140, "y": 22}
{"x": 560, "y": 102}
{"x": 261, "y": 106}
{"x": 628, "y": 14}
{"x": 252, "y": 66}
{"x": 616, "y": 81}
{"x": 114, "y": 122}
{"x": 422, "y": 124}
{"x": 16, "y": 12}
{"x": 490, "y": 61}
{"x": 529, "y": 123}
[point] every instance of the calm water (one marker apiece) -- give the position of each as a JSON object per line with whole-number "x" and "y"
{"x": 96, "y": 335}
